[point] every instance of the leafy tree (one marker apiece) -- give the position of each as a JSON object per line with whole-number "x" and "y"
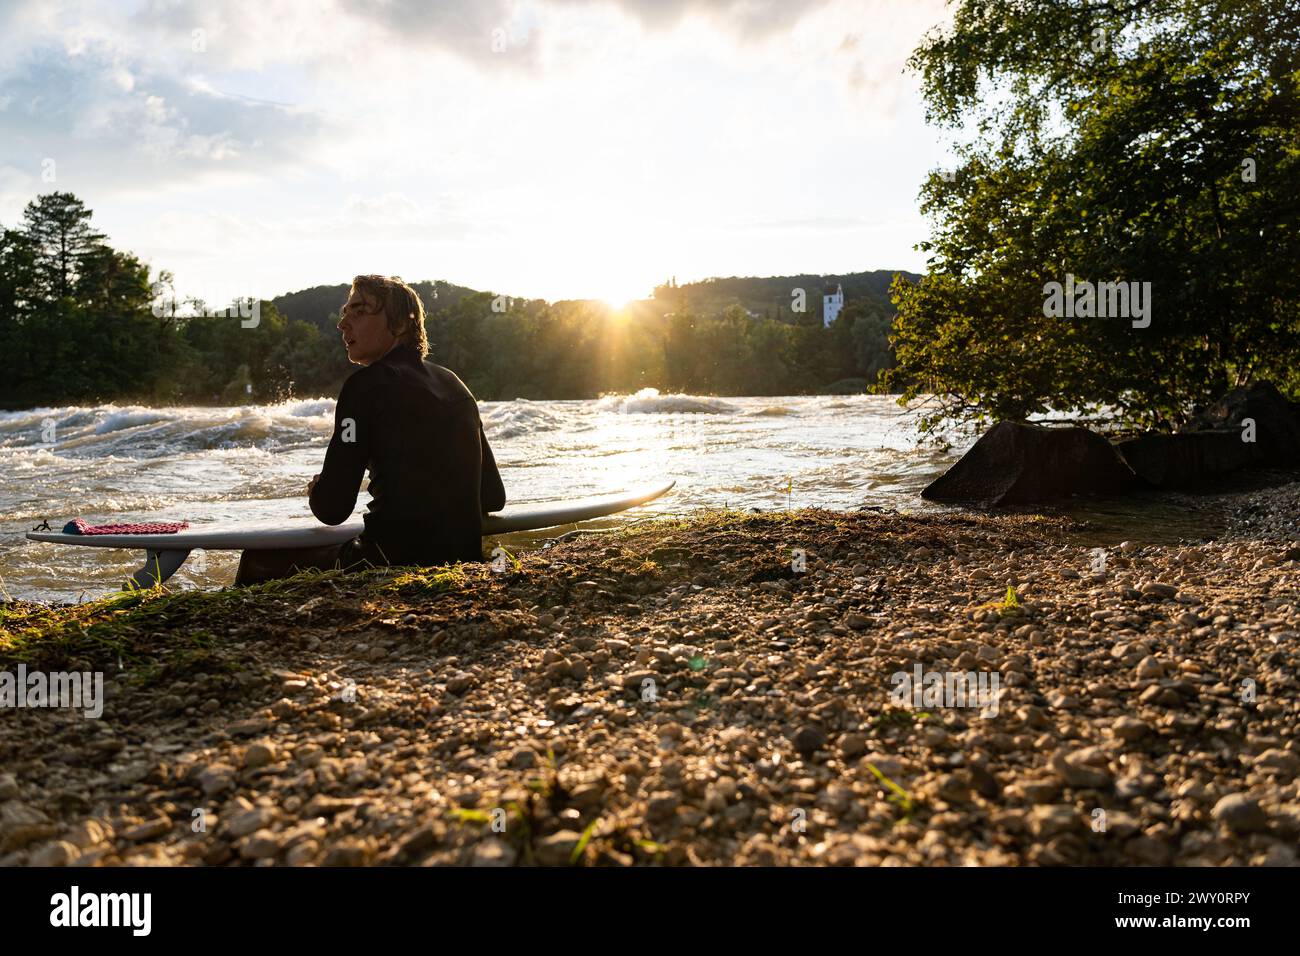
{"x": 1136, "y": 141}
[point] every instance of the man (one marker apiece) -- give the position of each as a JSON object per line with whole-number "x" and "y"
{"x": 416, "y": 427}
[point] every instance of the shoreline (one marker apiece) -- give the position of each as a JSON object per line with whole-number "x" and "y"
{"x": 463, "y": 716}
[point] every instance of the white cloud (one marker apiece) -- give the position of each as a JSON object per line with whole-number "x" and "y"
{"x": 697, "y": 135}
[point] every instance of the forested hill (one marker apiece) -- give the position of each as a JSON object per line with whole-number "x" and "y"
{"x": 767, "y": 296}
{"x": 772, "y": 296}
{"x": 317, "y": 304}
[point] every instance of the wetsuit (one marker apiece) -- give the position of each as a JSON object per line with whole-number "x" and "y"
{"x": 416, "y": 426}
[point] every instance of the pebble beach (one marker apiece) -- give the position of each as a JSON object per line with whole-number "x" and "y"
{"x": 707, "y": 690}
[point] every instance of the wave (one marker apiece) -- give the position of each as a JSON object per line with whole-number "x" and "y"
{"x": 505, "y": 420}
{"x": 138, "y": 431}
{"x": 648, "y": 401}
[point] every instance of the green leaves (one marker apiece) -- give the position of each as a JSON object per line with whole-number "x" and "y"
{"x": 1122, "y": 163}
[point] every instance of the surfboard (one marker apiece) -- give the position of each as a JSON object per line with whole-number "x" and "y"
{"x": 167, "y": 552}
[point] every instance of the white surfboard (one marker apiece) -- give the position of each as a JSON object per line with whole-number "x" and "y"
{"x": 167, "y": 552}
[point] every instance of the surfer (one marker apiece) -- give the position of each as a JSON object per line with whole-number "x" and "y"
{"x": 416, "y": 427}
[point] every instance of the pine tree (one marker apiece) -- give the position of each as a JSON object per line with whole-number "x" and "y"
{"x": 58, "y": 227}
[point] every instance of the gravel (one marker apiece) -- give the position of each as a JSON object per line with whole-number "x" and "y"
{"x": 711, "y": 707}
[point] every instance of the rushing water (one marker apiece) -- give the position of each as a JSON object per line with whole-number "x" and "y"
{"x": 204, "y": 464}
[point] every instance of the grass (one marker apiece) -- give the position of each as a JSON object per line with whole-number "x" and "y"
{"x": 126, "y": 625}
{"x": 896, "y": 717}
{"x": 144, "y": 626}
{"x": 897, "y": 795}
{"x": 1010, "y": 603}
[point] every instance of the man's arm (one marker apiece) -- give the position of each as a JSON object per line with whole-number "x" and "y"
{"x": 334, "y": 493}
{"x": 492, "y": 493}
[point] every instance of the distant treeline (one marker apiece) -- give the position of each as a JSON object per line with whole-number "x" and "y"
{"x": 82, "y": 323}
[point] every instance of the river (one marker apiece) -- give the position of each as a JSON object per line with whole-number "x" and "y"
{"x": 252, "y": 462}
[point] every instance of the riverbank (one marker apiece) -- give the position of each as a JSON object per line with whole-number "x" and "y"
{"x": 679, "y": 691}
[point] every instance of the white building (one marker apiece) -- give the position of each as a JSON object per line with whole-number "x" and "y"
{"x": 831, "y": 305}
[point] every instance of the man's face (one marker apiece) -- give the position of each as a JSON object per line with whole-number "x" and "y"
{"x": 365, "y": 331}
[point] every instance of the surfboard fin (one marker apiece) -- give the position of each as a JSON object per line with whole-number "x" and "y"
{"x": 158, "y": 567}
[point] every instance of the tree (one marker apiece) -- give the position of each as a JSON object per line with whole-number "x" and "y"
{"x": 1138, "y": 141}
{"x": 58, "y": 226}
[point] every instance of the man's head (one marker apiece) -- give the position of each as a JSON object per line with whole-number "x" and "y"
{"x": 381, "y": 312}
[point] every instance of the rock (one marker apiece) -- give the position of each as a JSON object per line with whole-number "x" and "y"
{"x": 1076, "y": 774}
{"x": 251, "y": 727}
{"x": 147, "y": 830}
{"x": 214, "y": 780}
{"x": 494, "y": 852}
{"x": 952, "y": 789}
{"x": 302, "y": 853}
{"x": 557, "y": 848}
{"x": 852, "y": 745}
{"x": 1279, "y": 854}
{"x": 347, "y": 853}
{"x": 1016, "y": 462}
{"x": 1158, "y": 694}
{"x": 59, "y": 853}
{"x": 242, "y": 824}
{"x": 1187, "y": 459}
{"x": 1147, "y": 851}
{"x": 1281, "y": 762}
{"x": 1277, "y": 426}
{"x": 8, "y": 787}
{"x": 86, "y": 834}
{"x": 21, "y": 825}
{"x": 1149, "y": 668}
{"x": 416, "y": 843}
{"x": 1046, "y": 822}
{"x": 523, "y": 758}
{"x": 809, "y": 739}
{"x": 662, "y": 805}
{"x": 459, "y": 683}
{"x": 1158, "y": 589}
{"x": 1060, "y": 700}
{"x": 259, "y": 755}
{"x": 1240, "y": 814}
{"x": 984, "y": 782}
{"x": 587, "y": 795}
{"x": 262, "y": 845}
{"x": 636, "y": 679}
{"x": 323, "y": 806}
{"x": 1130, "y": 728}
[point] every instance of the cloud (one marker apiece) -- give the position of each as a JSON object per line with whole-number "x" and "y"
{"x": 100, "y": 113}
{"x": 746, "y": 20}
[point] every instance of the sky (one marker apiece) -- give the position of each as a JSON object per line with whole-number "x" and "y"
{"x": 542, "y": 148}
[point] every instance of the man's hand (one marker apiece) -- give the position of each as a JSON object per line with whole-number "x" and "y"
{"x": 312, "y": 484}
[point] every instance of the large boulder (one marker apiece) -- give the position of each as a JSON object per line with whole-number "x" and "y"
{"x": 1188, "y": 459}
{"x": 1020, "y": 463}
{"x": 1277, "y": 426}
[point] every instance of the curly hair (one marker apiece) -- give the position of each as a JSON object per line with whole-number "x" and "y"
{"x": 400, "y": 305}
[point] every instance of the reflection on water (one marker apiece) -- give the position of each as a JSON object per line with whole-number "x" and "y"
{"x": 207, "y": 465}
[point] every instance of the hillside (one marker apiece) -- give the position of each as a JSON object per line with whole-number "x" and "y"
{"x": 768, "y": 296}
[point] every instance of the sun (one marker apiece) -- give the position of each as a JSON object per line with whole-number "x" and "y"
{"x": 619, "y": 304}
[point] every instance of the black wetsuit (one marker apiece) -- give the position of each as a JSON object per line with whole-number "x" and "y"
{"x": 416, "y": 426}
